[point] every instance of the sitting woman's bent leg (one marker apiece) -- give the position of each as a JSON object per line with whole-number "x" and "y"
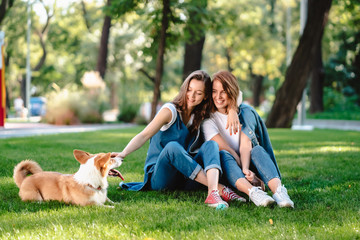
{"x": 232, "y": 170}
{"x": 172, "y": 168}
{"x": 264, "y": 164}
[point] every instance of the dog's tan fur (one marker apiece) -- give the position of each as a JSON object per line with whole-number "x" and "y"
{"x": 43, "y": 186}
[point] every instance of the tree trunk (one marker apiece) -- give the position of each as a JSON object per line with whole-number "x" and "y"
{"x": 289, "y": 94}
{"x": 160, "y": 56}
{"x": 317, "y": 83}
{"x": 355, "y": 81}
{"x": 257, "y": 88}
{"x": 193, "y": 56}
{"x": 113, "y": 96}
{"x": 8, "y": 93}
{"x": 228, "y": 58}
{"x": 103, "y": 49}
{"x": 85, "y": 15}
{"x": 195, "y": 43}
{"x": 23, "y": 89}
{"x": 4, "y": 7}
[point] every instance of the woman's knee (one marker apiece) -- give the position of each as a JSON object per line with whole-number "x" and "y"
{"x": 211, "y": 145}
{"x": 173, "y": 146}
{"x": 226, "y": 156}
{"x": 259, "y": 154}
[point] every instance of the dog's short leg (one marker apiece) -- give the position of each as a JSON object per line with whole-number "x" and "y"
{"x": 109, "y": 201}
{"x": 31, "y": 195}
{"x": 103, "y": 205}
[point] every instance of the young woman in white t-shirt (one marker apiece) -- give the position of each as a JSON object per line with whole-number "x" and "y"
{"x": 176, "y": 158}
{"x": 238, "y": 150}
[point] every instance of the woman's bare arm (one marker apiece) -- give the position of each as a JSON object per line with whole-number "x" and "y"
{"x": 162, "y": 118}
{"x": 223, "y": 145}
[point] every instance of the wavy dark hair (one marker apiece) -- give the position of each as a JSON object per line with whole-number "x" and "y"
{"x": 231, "y": 87}
{"x": 202, "y": 110}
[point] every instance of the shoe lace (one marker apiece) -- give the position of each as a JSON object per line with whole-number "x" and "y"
{"x": 256, "y": 191}
{"x": 281, "y": 190}
{"x": 228, "y": 193}
{"x": 216, "y": 196}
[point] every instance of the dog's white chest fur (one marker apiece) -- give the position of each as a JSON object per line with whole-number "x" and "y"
{"x": 90, "y": 176}
{"x": 100, "y": 196}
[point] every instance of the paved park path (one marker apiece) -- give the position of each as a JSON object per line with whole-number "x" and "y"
{"x": 12, "y": 130}
{"x": 332, "y": 124}
{"x": 32, "y": 129}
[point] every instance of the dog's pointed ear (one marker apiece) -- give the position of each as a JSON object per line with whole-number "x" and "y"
{"x": 81, "y": 156}
{"x": 104, "y": 159}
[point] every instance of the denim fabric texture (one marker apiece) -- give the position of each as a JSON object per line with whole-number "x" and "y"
{"x": 175, "y": 165}
{"x": 170, "y": 162}
{"x": 232, "y": 171}
{"x": 254, "y": 127}
{"x": 263, "y": 162}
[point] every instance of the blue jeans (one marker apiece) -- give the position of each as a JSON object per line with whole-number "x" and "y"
{"x": 176, "y": 169}
{"x": 260, "y": 160}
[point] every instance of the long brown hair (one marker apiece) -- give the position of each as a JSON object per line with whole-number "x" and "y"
{"x": 231, "y": 87}
{"x": 202, "y": 110}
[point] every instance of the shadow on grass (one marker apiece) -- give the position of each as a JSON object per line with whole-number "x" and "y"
{"x": 320, "y": 170}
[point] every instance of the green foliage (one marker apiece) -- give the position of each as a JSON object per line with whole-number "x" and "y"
{"x": 74, "y": 106}
{"x": 338, "y": 106}
{"x": 128, "y": 112}
{"x": 333, "y": 100}
{"x": 320, "y": 168}
{"x": 342, "y": 50}
{"x": 246, "y": 36}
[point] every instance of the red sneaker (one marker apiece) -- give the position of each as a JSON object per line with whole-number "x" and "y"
{"x": 214, "y": 200}
{"x": 229, "y": 195}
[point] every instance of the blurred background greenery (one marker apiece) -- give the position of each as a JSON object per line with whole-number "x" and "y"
{"x": 121, "y": 40}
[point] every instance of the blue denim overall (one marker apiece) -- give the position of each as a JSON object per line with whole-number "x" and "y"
{"x": 174, "y": 159}
{"x": 263, "y": 162}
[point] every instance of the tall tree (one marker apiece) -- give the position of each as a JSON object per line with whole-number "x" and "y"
{"x": 160, "y": 55}
{"x": 85, "y": 15}
{"x": 4, "y": 7}
{"x": 195, "y": 38}
{"x": 257, "y": 83}
{"x": 103, "y": 49}
{"x": 289, "y": 94}
{"x": 42, "y": 34}
{"x": 317, "y": 82}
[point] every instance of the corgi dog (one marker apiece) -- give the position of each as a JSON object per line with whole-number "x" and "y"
{"x": 88, "y": 186}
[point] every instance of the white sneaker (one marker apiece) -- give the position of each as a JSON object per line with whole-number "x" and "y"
{"x": 282, "y": 198}
{"x": 259, "y": 197}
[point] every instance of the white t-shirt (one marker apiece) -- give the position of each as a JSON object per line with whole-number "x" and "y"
{"x": 216, "y": 125}
{"x": 173, "y": 110}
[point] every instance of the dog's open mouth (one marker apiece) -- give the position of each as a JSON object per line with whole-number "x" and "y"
{"x": 115, "y": 173}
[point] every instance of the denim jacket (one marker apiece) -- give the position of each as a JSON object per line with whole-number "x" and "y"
{"x": 254, "y": 127}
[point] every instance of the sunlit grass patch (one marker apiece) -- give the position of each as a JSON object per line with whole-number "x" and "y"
{"x": 320, "y": 168}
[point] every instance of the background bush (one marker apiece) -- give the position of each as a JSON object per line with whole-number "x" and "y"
{"x": 74, "y": 106}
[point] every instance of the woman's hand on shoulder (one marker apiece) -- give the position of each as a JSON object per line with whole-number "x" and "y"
{"x": 233, "y": 123}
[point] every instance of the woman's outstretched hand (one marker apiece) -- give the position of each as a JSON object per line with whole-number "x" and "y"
{"x": 117, "y": 154}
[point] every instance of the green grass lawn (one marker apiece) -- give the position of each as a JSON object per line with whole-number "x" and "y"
{"x": 320, "y": 168}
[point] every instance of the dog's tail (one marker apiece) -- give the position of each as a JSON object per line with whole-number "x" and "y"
{"x": 24, "y": 169}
